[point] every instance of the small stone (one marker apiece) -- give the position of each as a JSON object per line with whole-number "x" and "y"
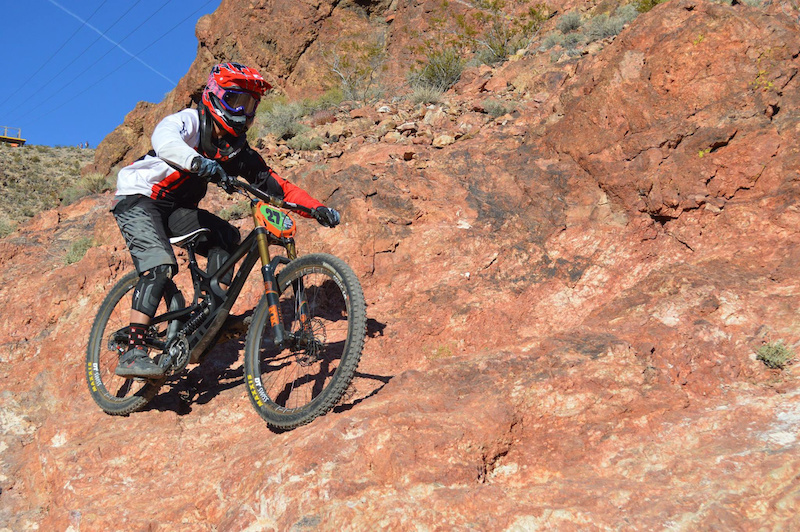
{"x": 443, "y": 140}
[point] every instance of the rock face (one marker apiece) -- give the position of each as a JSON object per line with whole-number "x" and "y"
{"x": 564, "y": 303}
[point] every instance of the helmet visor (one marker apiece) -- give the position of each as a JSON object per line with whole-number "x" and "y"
{"x": 239, "y": 102}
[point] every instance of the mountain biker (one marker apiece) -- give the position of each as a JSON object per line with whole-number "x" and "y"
{"x": 158, "y": 195}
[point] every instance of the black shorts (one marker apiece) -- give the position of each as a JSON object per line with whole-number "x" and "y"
{"x": 148, "y": 224}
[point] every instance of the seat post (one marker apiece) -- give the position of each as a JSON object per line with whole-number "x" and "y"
{"x": 189, "y": 241}
{"x": 190, "y": 251}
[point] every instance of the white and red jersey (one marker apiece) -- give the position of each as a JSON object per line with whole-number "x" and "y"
{"x": 163, "y": 174}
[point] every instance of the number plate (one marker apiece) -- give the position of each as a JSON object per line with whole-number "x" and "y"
{"x": 276, "y": 221}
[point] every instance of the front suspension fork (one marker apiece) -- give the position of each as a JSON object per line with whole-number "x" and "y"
{"x": 271, "y": 290}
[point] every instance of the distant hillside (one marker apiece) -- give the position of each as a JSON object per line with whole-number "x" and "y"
{"x": 35, "y": 178}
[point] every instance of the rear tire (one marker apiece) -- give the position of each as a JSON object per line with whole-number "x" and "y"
{"x": 292, "y": 386}
{"x": 109, "y": 339}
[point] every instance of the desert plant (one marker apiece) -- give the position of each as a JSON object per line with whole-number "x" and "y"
{"x": 603, "y": 26}
{"x": 87, "y": 185}
{"x": 497, "y": 35}
{"x": 441, "y": 70}
{"x": 78, "y": 249}
{"x": 281, "y": 118}
{"x": 496, "y": 108}
{"x": 775, "y": 355}
{"x": 236, "y": 211}
{"x": 305, "y": 143}
{"x": 569, "y": 22}
{"x": 423, "y": 94}
{"x": 572, "y": 43}
{"x": 551, "y": 40}
{"x": 485, "y": 31}
{"x": 7, "y": 227}
{"x": 356, "y": 62}
{"x": 646, "y": 5}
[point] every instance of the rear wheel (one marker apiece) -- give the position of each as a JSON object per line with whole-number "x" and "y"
{"x": 324, "y": 314}
{"x": 109, "y": 339}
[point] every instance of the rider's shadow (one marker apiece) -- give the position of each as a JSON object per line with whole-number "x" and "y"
{"x": 222, "y": 369}
{"x": 359, "y": 391}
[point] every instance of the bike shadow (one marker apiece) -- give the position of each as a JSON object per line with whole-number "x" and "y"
{"x": 222, "y": 370}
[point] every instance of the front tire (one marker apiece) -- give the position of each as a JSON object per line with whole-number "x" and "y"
{"x": 290, "y": 387}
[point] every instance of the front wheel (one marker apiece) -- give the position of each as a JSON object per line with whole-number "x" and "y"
{"x": 324, "y": 314}
{"x": 109, "y": 339}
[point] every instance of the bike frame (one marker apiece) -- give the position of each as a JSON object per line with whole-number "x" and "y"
{"x": 212, "y": 303}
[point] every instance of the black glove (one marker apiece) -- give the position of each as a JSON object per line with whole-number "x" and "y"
{"x": 211, "y": 170}
{"x": 208, "y": 168}
{"x": 326, "y": 216}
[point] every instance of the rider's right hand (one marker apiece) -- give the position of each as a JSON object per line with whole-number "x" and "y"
{"x": 208, "y": 168}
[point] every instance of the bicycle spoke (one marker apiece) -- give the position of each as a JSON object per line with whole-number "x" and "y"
{"x": 304, "y": 379}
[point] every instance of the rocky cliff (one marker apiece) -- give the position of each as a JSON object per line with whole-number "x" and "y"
{"x": 564, "y": 303}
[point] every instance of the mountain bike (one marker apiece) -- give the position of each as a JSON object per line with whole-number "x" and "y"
{"x": 302, "y": 346}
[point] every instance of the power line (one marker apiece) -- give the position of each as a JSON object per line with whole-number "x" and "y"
{"x": 106, "y": 37}
{"x": 88, "y": 68}
{"x": 108, "y": 74}
{"x": 53, "y": 55}
{"x": 53, "y": 78}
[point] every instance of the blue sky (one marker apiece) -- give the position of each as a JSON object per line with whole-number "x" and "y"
{"x": 74, "y": 68}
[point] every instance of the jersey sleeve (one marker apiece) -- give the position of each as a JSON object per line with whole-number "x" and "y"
{"x": 250, "y": 165}
{"x": 175, "y": 137}
{"x": 294, "y": 194}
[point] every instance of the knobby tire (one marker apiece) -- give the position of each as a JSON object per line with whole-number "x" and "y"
{"x": 293, "y": 386}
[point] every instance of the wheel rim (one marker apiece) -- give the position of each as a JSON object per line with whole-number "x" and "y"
{"x": 297, "y": 376}
{"x": 110, "y": 344}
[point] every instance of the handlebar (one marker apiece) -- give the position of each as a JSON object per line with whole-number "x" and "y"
{"x": 263, "y": 196}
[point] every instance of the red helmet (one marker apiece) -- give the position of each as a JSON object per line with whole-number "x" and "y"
{"x": 232, "y": 94}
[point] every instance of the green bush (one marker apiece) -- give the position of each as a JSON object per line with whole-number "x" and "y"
{"x": 775, "y": 355}
{"x": 441, "y": 70}
{"x": 86, "y": 186}
{"x": 495, "y": 35}
{"x": 643, "y": 6}
{"x": 356, "y": 61}
{"x": 477, "y": 29}
{"x": 7, "y": 227}
{"x": 422, "y": 94}
{"x": 572, "y": 43}
{"x": 305, "y": 143}
{"x": 78, "y": 249}
{"x": 569, "y": 22}
{"x": 236, "y": 211}
{"x": 603, "y": 26}
{"x": 282, "y": 118}
{"x": 496, "y": 108}
{"x": 551, "y": 40}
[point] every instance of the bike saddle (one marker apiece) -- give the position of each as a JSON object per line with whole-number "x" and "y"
{"x": 183, "y": 240}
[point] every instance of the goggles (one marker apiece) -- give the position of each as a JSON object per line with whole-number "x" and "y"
{"x": 239, "y": 102}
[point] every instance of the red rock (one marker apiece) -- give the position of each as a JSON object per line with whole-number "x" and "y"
{"x": 563, "y": 321}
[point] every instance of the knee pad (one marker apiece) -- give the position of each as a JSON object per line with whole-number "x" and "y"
{"x": 150, "y": 288}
